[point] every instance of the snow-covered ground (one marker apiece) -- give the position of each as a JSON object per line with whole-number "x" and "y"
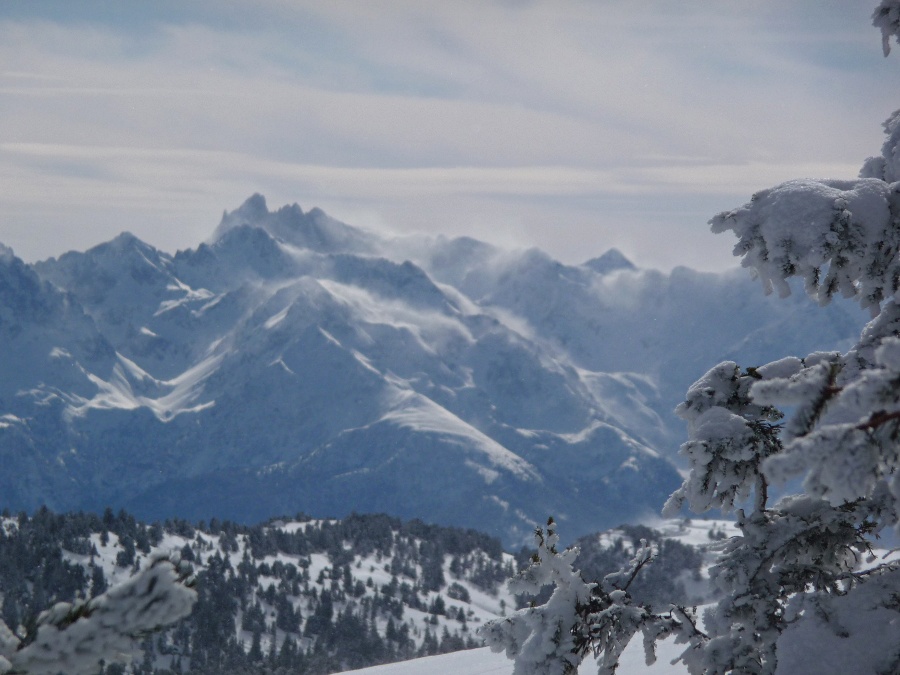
{"x": 484, "y": 662}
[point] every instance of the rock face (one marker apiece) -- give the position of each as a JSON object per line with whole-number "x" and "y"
{"x": 294, "y": 363}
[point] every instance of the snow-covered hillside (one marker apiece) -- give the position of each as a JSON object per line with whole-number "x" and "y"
{"x": 293, "y": 362}
{"x": 310, "y": 594}
{"x": 704, "y": 536}
{"x": 315, "y": 596}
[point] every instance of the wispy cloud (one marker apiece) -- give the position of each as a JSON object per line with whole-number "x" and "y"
{"x": 490, "y": 119}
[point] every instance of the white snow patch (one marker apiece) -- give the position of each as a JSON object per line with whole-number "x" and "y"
{"x": 367, "y": 364}
{"x": 483, "y": 661}
{"x": 214, "y": 345}
{"x": 9, "y": 420}
{"x": 379, "y": 310}
{"x": 280, "y": 362}
{"x": 513, "y": 322}
{"x": 585, "y": 434}
{"x": 209, "y": 305}
{"x": 630, "y": 463}
{"x": 489, "y": 475}
{"x": 503, "y": 504}
{"x": 175, "y": 397}
{"x": 190, "y": 295}
{"x": 273, "y": 321}
{"x": 414, "y": 411}
{"x": 330, "y": 337}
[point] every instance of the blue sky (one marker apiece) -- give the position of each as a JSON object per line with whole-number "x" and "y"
{"x": 572, "y": 126}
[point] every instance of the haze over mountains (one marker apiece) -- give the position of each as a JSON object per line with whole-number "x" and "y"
{"x": 295, "y": 363}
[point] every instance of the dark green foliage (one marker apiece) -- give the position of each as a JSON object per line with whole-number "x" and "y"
{"x": 125, "y": 557}
{"x": 98, "y": 581}
{"x": 660, "y": 583}
{"x": 261, "y": 613}
{"x": 458, "y": 592}
{"x": 33, "y": 573}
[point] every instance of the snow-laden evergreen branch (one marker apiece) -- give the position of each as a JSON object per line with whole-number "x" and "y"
{"x": 582, "y": 619}
{"x": 850, "y": 451}
{"x": 730, "y": 436}
{"x": 73, "y": 638}
{"x": 541, "y": 638}
{"x": 800, "y": 572}
{"x": 887, "y": 18}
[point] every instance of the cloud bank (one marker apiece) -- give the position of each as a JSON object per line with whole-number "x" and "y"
{"x": 571, "y": 126}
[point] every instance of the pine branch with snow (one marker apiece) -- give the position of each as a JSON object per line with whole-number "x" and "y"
{"x": 540, "y": 638}
{"x": 75, "y": 637}
{"x": 581, "y": 619}
{"x": 887, "y": 18}
{"x": 730, "y": 436}
{"x": 801, "y": 570}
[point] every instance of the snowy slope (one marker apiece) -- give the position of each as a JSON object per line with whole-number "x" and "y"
{"x": 313, "y": 595}
{"x": 470, "y": 662}
{"x": 633, "y": 661}
{"x": 484, "y": 662}
{"x": 293, "y": 362}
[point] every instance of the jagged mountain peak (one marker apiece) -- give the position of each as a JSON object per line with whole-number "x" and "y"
{"x": 314, "y": 230}
{"x": 406, "y": 281}
{"x": 102, "y": 264}
{"x": 21, "y": 291}
{"x": 51, "y": 348}
{"x": 252, "y": 211}
{"x": 536, "y": 263}
{"x": 126, "y": 239}
{"x": 449, "y": 252}
{"x": 611, "y": 261}
{"x": 250, "y": 247}
{"x": 123, "y": 244}
{"x": 6, "y": 254}
{"x": 113, "y": 269}
{"x": 254, "y": 208}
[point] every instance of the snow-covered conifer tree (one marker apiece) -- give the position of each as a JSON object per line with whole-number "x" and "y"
{"x": 800, "y": 590}
{"x": 73, "y": 638}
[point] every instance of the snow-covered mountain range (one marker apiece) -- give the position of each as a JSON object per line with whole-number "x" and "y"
{"x": 293, "y": 362}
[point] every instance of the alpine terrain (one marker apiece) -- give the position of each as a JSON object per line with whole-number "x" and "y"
{"x": 295, "y": 363}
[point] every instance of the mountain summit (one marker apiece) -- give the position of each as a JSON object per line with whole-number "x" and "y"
{"x": 314, "y": 231}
